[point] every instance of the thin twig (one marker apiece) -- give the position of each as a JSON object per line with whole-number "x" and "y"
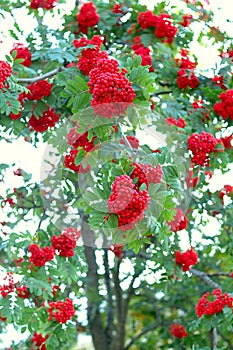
{"x": 147, "y": 329}
{"x": 162, "y": 93}
{"x": 41, "y": 77}
{"x": 205, "y": 278}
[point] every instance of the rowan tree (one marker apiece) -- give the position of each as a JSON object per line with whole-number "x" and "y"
{"x": 134, "y": 131}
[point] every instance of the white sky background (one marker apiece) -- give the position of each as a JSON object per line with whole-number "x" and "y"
{"x": 29, "y": 159}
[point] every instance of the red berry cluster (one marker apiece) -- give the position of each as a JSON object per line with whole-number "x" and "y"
{"x": 178, "y": 330}
{"x": 87, "y": 17}
{"x": 187, "y": 19}
{"x": 117, "y": 250}
{"x": 39, "y": 341}
{"x": 180, "y": 123}
{"x": 184, "y": 61}
{"x": 8, "y": 200}
{"x": 147, "y": 19}
{"x": 22, "y": 52}
{"x": 117, "y": 9}
{"x": 64, "y": 244}
{"x": 206, "y": 307}
{"x": 227, "y": 189}
{"x": 144, "y": 52}
{"x": 162, "y": 23}
{"x": 61, "y": 311}
{"x": 5, "y": 72}
{"x": 69, "y": 162}
{"x": 218, "y": 80}
{"x": 72, "y": 233}
{"x": 108, "y": 85}
{"x": 225, "y": 108}
{"x": 89, "y": 57}
{"x": 186, "y": 259}
{"x": 165, "y": 29}
{"x": 145, "y": 174}
{"x": 133, "y": 141}
{"x": 80, "y": 140}
{"x": 227, "y": 141}
{"x": 46, "y": 4}
{"x": 37, "y": 90}
{"x": 198, "y": 104}
{"x": 187, "y": 78}
{"x": 22, "y": 292}
{"x": 40, "y": 256}
{"x": 127, "y": 203}
{"x": 47, "y": 120}
{"x": 9, "y": 286}
{"x": 179, "y": 222}
{"x": 201, "y": 146}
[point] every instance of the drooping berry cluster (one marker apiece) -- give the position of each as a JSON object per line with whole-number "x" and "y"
{"x": 225, "y": 108}
{"x": 87, "y": 17}
{"x": 37, "y": 90}
{"x": 165, "y": 29}
{"x": 45, "y": 4}
{"x": 207, "y": 307}
{"x": 89, "y": 57}
{"x": 178, "y": 330}
{"x": 109, "y": 85}
{"x": 186, "y": 77}
{"x": 162, "y": 24}
{"x": 39, "y": 256}
{"x": 22, "y": 292}
{"x": 65, "y": 243}
{"x": 133, "y": 141}
{"x": 145, "y": 174}
{"x": 179, "y": 222}
{"x": 61, "y": 311}
{"x": 8, "y": 286}
{"x": 184, "y": 60}
{"x": 127, "y": 203}
{"x": 47, "y": 120}
{"x": 22, "y": 52}
{"x": 201, "y": 146}
{"x": 39, "y": 341}
{"x": 186, "y": 259}
{"x": 5, "y": 72}
{"x": 180, "y": 123}
{"x": 144, "y": 52}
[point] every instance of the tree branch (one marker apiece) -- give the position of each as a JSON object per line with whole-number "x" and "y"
{"x": 162, "y": 93}
{"x": 144, "y": 331}
{"x": 110, "y": 313}
{"x": 92, "y": 287}
{"x": 205, "y": 278}
{"x": 41, "y": 77}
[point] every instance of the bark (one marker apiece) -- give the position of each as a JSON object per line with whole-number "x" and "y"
{"x": 92, "y": 287}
